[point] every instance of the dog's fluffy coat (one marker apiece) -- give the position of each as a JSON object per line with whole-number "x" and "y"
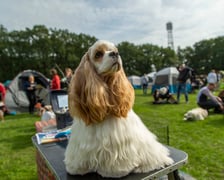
{"x": 107, "y": 136}
{"x": 196, "y": 114}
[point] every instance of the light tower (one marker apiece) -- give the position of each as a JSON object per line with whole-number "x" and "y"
{"x": 169, "y": 28}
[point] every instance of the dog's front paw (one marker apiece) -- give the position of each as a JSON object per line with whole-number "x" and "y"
{"x": 77, "y": 171}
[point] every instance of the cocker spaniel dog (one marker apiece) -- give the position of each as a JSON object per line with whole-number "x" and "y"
{"x": 107, "y": 136}
{"x": 196, "y": 114}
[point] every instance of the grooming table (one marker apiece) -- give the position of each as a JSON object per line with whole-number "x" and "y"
{"x": 50, "y": 165}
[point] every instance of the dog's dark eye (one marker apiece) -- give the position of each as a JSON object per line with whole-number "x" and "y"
{"x": 98, "y": 54}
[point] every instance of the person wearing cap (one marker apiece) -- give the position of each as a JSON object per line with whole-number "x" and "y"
{"x": 206, "y": 99}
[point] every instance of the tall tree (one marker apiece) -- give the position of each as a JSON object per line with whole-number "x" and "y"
{"x": 5, "y": 61}
{"x": 129, "y": 54}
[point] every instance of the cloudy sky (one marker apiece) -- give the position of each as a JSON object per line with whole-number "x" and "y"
{"x": 135, "y": 21}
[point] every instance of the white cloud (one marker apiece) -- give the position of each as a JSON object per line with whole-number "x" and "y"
{"x": 142, "y": 21}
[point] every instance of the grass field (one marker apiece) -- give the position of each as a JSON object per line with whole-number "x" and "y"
{"x": 17, "y": 155}
{"x": 202, "y": 140}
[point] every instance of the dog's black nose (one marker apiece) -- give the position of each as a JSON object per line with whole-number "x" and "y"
{"x": 113, "y": 54}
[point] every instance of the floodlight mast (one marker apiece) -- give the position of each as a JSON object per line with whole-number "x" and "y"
{"x": 169, "y": 28}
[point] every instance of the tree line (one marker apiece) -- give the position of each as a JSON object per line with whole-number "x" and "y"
{"x": 42, "y": 48}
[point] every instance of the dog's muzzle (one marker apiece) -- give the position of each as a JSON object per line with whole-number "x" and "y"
{"x": 114, "y": 55}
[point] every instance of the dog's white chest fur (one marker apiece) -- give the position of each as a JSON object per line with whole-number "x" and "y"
{"x": 114, "y": 148}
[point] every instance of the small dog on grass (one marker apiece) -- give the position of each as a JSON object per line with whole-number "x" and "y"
{"x": 196, "y": 114}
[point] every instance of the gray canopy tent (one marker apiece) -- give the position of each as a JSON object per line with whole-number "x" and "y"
{"x": 16, "y": 99}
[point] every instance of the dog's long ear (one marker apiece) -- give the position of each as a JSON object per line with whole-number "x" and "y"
{"x": 88, "y": 97}
{"x": 92, "y": 97}
{"x": 121, "y": 94}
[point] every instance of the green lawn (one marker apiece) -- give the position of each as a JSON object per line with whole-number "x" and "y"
{"x": 17, "y": 154}
{"x": 202, "y": 140}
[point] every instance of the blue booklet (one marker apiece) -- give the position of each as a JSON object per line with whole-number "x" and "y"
{"x": 53, "y": 136}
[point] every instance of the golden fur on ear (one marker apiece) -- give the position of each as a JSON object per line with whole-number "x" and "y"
{"x": 94, "y": 97}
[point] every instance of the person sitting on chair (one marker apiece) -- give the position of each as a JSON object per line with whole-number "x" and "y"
{"x": 48, "y": 120}
{"x": 47, "y": 113}
{"x": 163, "y": 93}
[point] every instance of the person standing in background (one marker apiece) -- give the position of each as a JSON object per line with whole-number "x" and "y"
{"x": 212, "y": 76}
{"x": 184, "y": 75}
{"x": 219, "y": 77}
{"x": 145, "y": 83}
{"x": 2, "y": 101}
{"x": 30, "y": 88}
{"x": 55, "y": 81}
{"x": 2, "y": 92}
{"x": 68, "y": 76}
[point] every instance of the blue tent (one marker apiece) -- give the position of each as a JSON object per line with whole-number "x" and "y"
{"x": 167, "y": 77}
{"x": 135, "y": 81}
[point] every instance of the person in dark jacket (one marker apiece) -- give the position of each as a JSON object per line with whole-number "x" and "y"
{"x": 30, "y": 88}
{"x": 184, "y": 75}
